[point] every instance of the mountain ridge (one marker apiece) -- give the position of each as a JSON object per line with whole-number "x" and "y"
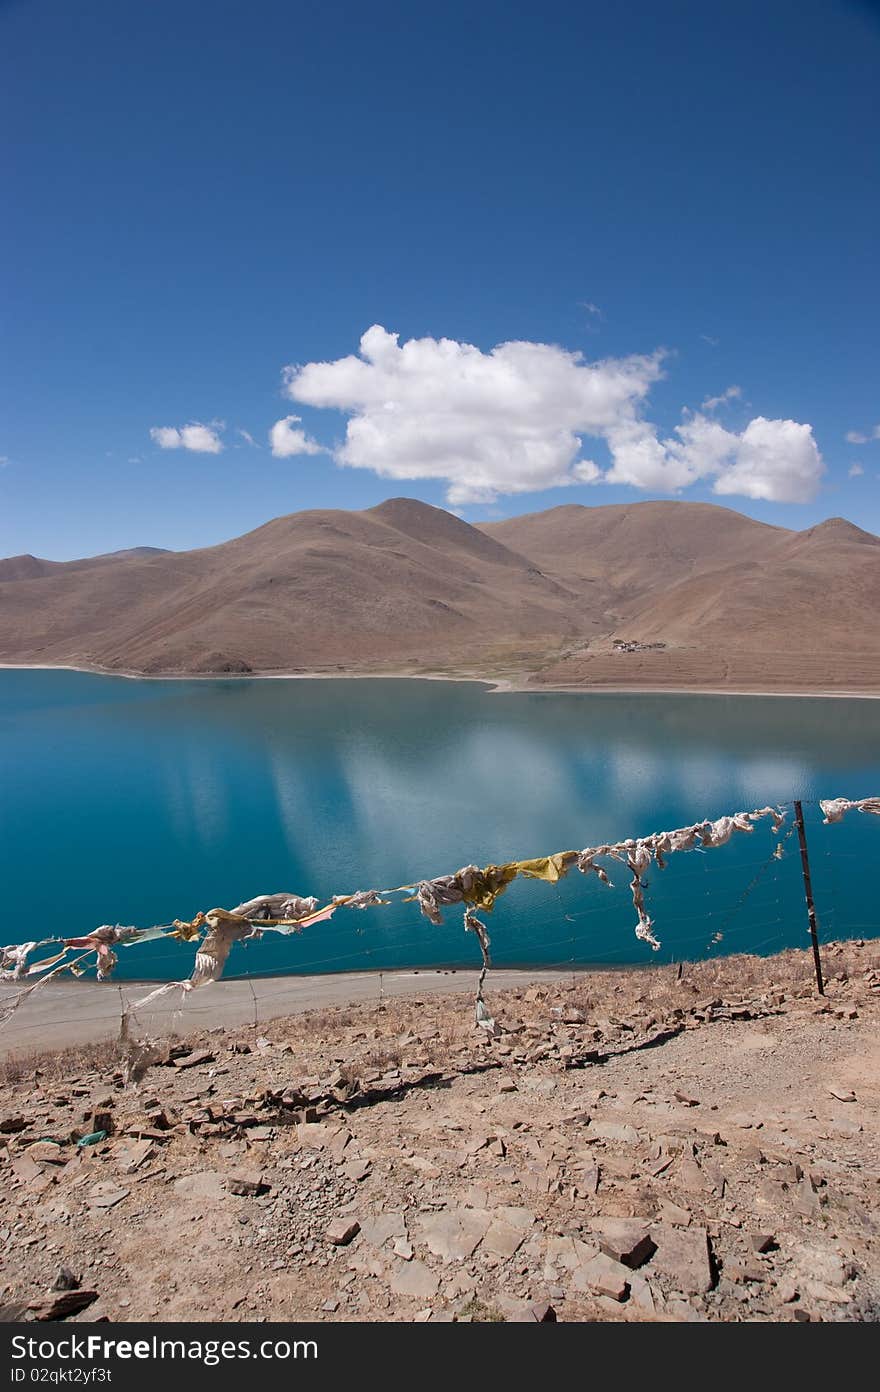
{"x": 405, "y": 586}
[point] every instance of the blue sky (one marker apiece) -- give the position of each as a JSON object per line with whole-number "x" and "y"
{"x": 201, "y": 194}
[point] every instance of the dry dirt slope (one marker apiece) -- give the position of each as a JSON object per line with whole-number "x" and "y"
{"x": 311, "y": 590}
{"x": 633, "y": 1147}
{"x": 406, "y": 585}
{"x": 736, "y": 602}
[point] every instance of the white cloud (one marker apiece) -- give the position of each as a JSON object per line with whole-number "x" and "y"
{"x": 776, "y": 460}
{"x": 508, "y": 421}
{"x": 286, "y": 440}
{"x": 246, "y": 435}
{"x": 731, "y": 394}
{"x": 857, "y": 437}
{"x": 856, "y": 471}
{"x": 201, "y": 439}
{"x": 712, "y": 342}
{"x": 513, "y": 420}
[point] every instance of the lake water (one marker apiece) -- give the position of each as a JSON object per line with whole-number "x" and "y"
{"x": 141, "y": 801}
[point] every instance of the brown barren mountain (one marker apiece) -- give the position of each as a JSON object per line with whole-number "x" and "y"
{"x": 729, "y": 602}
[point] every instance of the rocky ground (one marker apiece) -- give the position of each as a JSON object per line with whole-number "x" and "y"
{"x": 632, "y": 1146}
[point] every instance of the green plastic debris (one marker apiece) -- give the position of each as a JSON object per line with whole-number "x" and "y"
{"x": 93, "y": 1138}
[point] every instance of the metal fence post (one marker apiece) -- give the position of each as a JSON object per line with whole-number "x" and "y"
{"x": 808, "y": 894}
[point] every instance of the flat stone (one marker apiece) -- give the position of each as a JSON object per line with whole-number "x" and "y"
{"x": 107, "y": 1195}
{"x": 768, "y": 1193}
{"x": 47, "y": 1153}
{"x": 248, "y": 1183}
{"x": 338, "y": 1144}
{"x": 356, "y": 1170}
{"x": 641, "y": 1296}
{"x": 454, "y": 1234}
{"x": 544, "y": 1087}
{"x": 59, "y": 1305}
{"x": 816, "y": 1264}
{"x": 673, "y": 1213}
{"x": 685, "y": 1311}
{"x": 517, "y": 1217}
{"x": 422, "y": 1166}
{"x": 507, "y": 1231}
{"x": 25, "y": 1168}
{"x": 567, "y": 1252}
{"x": 537, "y": 1179}
{"x": 379, "y": 1228}
{"x": 842, "y": 1094}
{"x": 588, "y": 1180}
{"x": 625, "y": 1240}
{"x": 194, "y": 1059}
{"x": 614, "y": 1131}
{"x": 514, "y": 1308}
{"x": 819, "y": 1291}
{"x": 341, "y": 1230}
{"x": 604, "y": 1276}
{"x": 416, "y": 1280}
{"x": 476, "y": 1198}
{"x": 314, "y": 1135}
{"x": 502, "y": 1241}
{"x": 130, "y": 1156}
{"x": 683, "y": 1256}
{"x": 535, "y": 1312}
{"x": 691, "y": 1177}
{"x": 204, "y": 1184}
{"x": 743, "y": 1272}
{"x": 806, "y": 1200}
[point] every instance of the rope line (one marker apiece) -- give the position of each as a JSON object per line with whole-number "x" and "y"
{"x": 215, "y": 932}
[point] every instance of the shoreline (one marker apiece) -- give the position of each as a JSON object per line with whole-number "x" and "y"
{"x": 96, "y": 1010}
{"x": 497, "y": 686}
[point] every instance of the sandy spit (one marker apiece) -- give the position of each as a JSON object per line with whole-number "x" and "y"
{"x": 516, "y": 685}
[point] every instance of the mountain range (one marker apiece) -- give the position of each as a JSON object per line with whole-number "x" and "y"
{"x": 653, "y": 594}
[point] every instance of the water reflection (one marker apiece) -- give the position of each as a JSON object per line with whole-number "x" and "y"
{"x": 141, "y": 801}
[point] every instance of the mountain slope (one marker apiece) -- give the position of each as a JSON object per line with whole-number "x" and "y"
{"x": 403, "y": 580}
{"x": 729, "y": 601}
{"x": 636, "y": 545}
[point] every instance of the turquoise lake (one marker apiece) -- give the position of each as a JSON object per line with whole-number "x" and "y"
{"x": 137, "y": 802}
